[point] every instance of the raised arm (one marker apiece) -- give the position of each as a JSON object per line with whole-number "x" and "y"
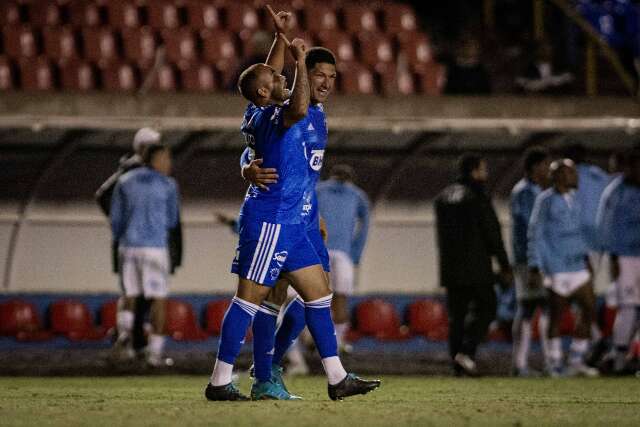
{"x": 299, "y": 102}
{"x": 282, "y": 22}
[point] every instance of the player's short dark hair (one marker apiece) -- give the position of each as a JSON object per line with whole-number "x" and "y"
{"x": 467, "y": 163}
{"x": 534, "y": 156}
{"x": 343, "y": 172}
{"x": 576, "y": 152}
{"x": 248, "y": 82}
{"x": 318, "y": 54}
{"x": 151, "y": 150}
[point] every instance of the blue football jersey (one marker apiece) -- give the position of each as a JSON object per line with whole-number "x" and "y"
{"x": 315, "y": 142}
{"x": 281, "y": 148}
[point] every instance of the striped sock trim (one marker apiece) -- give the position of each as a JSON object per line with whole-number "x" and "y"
{"x": 248, "y": 307}
{"x": 270, "y": 309}
{"x": 323, "y": 302}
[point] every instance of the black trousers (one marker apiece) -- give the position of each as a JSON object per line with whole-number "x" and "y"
{"x": 471, "y": 310}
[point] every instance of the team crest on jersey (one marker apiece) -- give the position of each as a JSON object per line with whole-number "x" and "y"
{"x": 280, "y": 257}
{"x": 317, "y": 157}
{"x": 274, "y": 272}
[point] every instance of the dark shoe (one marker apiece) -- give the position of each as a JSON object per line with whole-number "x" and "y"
{"x": 224, "y": 392}
{"x": 351, "y": 385}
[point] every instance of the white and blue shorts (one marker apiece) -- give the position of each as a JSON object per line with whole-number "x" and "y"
{"x": 144, "y": 271}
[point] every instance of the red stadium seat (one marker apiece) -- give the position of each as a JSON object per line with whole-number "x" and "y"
{"x": 340, "y": 43}
{"x": 203, "y": 15}
{"x": 241, "y": 16}
{"x": 567, "y": 322}
{"x": 37, "y": 74}
{"x": 416, "y": 47}
{"x": 358, "y": 18}
{"x": 607, "y": 319}
{"x": 109, "y": 316}
{"x": 181, "y": 47}
{"x": 140, "y": 46}
{"x": 85, "y": 14}
{"x": 77, "y": 75}
{"x": 394, "y": 80}
{"x": 73, "y": 319}
{"x": 199, "y": 78}
{"x": 7, "y": 74}
{"x": 120, "y": 77}
{"x": 9, "y": 13}
{"x": 100, "y": 46}
{"x": 398, "y": 18}
{"x": 378, "y": 318}
{"x": 320, "y": 16}
{"x": 123, "y": 14}
{"x": 354, "y": 78}
{"x": 428, "y": 318}
{"x": 181, "y": 323}
{"x": 20, "y": 41}
{"x": 17, "y": 316}
{"x": 497, "y": 332}
{"x": 215, "y": 313}
{"x": 60, "y": 43}
{"x": 166, "y": 79}
{"x": 219, "y": 49}
{"x": 44, "y": 13}
{"x": 431, "y": 78}
{"x": 375, "y": 48}
{"x": 164, "y": 14}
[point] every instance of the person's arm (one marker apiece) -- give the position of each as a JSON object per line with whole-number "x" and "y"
{"x": 299, "y": 102}
{"x": 251, "y": 171}
{"x": 323, "y": 229}
{"x": 490, "y": 227}
{"x": 282, "y": 22}
{"x": 360, "y": 237}
{"x": 116, "y": 213}
{"x": 104, "y": 194}
{"x": 175, "y": 229}
{"x": 536, "y": 248}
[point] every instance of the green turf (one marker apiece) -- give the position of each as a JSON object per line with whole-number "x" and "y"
{"x": 402, "y": 401}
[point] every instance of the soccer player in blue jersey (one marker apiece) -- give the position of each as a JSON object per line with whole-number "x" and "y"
{"x": 619, "y": 233}
{"x": 273, "y": 239}
{"x": 523, "y": 196}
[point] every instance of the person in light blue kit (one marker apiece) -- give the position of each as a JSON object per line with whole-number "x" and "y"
{"x": 144, "y": 208}
{"x": 273, "y": 239}
{"x": 619, "y": 233}
{"x": 345, "y": 209}
{"x": 523, "y": 196}
{"x": 558, "y": 257}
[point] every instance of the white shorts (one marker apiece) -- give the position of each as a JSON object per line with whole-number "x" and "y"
{"x": 565, "y": 284}
{"x": 144, "y": 271}
{"x": 521, "y": 279}
{"x": 342, "y": 272}
{"x": 628, "y": 283}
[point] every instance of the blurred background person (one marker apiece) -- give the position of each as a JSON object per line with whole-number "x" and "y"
{"x": 144, "y": 208}
{"x": 541, "y": 75}
{"x": 466, "y": 74}
{"x": 558, "y": 257}
{"x": 523, "y": 196}
{"x": 468, "y": 238}
{"x": 345, "y": 210}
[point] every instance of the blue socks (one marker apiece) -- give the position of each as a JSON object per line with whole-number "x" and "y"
{"x": 264, "y": 329}
{"x": 234, "y": 329}
{"x": 318, "y": 317}
{"x": 292, "y": 325}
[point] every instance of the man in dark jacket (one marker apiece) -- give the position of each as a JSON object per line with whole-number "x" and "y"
{"x": 142, "y": 139}
{"x": 468, "y": 236}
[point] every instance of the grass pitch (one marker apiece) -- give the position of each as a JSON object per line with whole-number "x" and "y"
{"x": 401, "y": 401}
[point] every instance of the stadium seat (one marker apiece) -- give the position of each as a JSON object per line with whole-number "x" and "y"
{"x": 44, "y": 13}
{"x": 164, "y": 14}
{"x": 73, "y": 319}
{"x": 398, "y": 18}
{"x": 140, "y": 46}
{"x": 203, "y": 15}
{"x": 108, "y": 316}
{"x": 215, "y": 312}
{"x": 20, "y": 41}
{"x": 354, "y": 78}
{"x": 37, "y": 74}
{"x": 181, "y": 323}
{"x": 219, "y": 50}
{"x": 375, "y": 48}
{"x": 181, "y": 46}
{"x": 340, "y": 43}
{"x": 394, "y": 80}
{"x": 240, "y": 16}
{"x": 7, "y": 74}
{"x": 431, "y": 78}
{"x": 60, "y": 43}
{"x": 100, "y": 46}
{"x": 9, "y": 13}
{"x": 378, "y": 318}
{"x": 568, "y": 322}
{"x": 428, "y": 318}
{"x": 320, "y": 16}
{"x": 415, "y": 46}
{"x": 85, "y": 14}
{"x": 166, "y": 79}
{"x": 19, "y": 319}
{"x": 199, "y": 78}
{"x": 120, "y": 76}
{"x": 77, "y": 75}
{"x": 123, "y": 14}
{"x": 497, "y": 332}
{"x": 359, "y": 18}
